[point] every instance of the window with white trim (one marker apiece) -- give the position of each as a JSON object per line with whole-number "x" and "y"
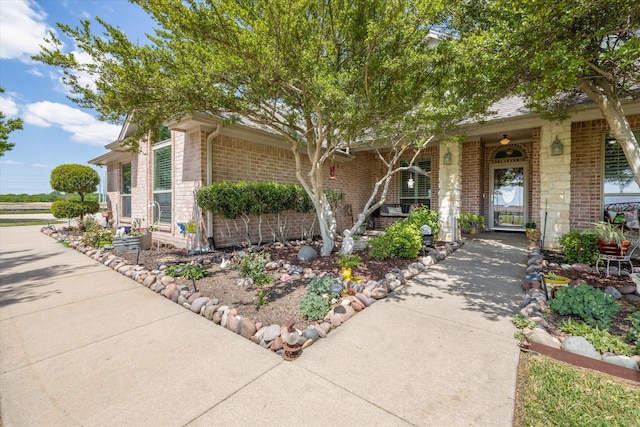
{"x": 421, "y": 191}
{"x": 126, "y": 190}
{"x": 162, "y": 181}
{"x": 619, "y": 185}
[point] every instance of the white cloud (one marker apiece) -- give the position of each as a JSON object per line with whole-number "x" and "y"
{"x": 9, "y": 162}
{"x": 39, "y": 165}
{"x": 8, "y": 107}
{"x": 83, "y": 127}
{"x": 35, "y": 72}
{"x": 24, "y": 27}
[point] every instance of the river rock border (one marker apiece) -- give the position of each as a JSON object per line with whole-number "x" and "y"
{"x": 535, "y": 305}
{"x": 272, "y": 337}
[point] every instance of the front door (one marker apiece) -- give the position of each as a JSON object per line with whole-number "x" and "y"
{"x": 507, "y": 210}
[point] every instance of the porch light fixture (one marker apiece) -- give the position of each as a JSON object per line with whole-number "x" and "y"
{"x": 410, "y": 182}
{"x": 556, "y": 147}
{"x": 504, "y": 140}
{"x": 447, "y": 157}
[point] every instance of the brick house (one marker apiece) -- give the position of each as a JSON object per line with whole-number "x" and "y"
{"x": 545, "y": 167}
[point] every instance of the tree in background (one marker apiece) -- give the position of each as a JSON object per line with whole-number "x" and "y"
{"x": 78, "y": 179}
{"x": 6, "y": 127}
{"x": 329, "y": 76}
{"x": 556, "y": 53}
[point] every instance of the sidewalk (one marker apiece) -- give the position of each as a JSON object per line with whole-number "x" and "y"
{"x": 439, "y": 351}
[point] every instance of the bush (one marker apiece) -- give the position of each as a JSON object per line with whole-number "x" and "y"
{"x": 592, "y": 305}
{"x": 314, "y": 307}
{"x": 422, "y": 216}
{"x": 579, "y": 246}
{"x": 252, "y": 265}
{"x": 634, "y": 331}
{"x": 73, "y": 209}
{"x": 400, "y": 240}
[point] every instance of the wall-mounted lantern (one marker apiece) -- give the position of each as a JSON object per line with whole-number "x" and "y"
{"x": 447, "y": 157}
{"x": 556, "y": 147}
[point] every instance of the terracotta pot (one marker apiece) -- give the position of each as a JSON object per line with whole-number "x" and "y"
{"x": 611, "y": 248}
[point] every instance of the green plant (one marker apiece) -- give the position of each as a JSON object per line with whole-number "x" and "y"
{"x": 634, "y": 331}
{"x": 349, "y": 261}
{"x": 469, "y": 221}
{"x": 251, "y": 264}
{"x": 601, "y": 339}
{"x": 399, "y": 240}
{"x": 321, "y": 285}
{"x": 579, "y": 246}
{"x": 262, "y": 297}
{"x": 609, "y": 232}
{"x": 314, "y": 307}
{"x": 425, "y": 216}
{"x": 522, "y": 322}
{"x": 531, "y": 225}
{"x": 591, "y": 304}
{"x": 79, "y": 179}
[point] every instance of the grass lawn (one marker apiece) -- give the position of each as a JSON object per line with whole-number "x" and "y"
{"x": 552, "y": 393}
{"x": 8, "y": 222}
{"x": 25, "y": 211}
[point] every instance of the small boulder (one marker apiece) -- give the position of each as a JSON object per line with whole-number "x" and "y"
{"x": 307, "y": 253}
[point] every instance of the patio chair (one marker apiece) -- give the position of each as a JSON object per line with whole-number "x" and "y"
{"x": 619, "y": 258}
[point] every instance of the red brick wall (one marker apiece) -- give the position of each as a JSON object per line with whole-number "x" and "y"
{"x": 472, "y": 178}
{"x": 534, "y": 196}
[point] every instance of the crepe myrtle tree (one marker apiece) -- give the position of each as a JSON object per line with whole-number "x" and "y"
{"x": 555, "y": 54}
{"x": 78, "y": 179}
{"x": 328, "y": 76}
{"x": 6, "y": 127}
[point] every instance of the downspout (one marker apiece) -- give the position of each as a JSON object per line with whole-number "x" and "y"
{"x": 210, "y": 138}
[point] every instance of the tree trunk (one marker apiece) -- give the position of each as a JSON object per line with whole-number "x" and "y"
{"x": 602, "y": 94}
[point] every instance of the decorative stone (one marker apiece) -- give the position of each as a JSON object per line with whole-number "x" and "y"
{"x": 307, "y": 253}
{"x": 247, "y": 328}
{"x": 541, "y": 336}
{"x": 217, "y": 317}
{"x": 231, "y": 323}
{"x": 619, "y": 360}
{"x": 193, "y": 297}
{"x": 610, "y": 290}
{"x": 628, "y": 289}
{"x": 169, "y": 290}
{"x": 311, "y": 333}
{"x": 271, "y": 332}
{"x": 580, "y": 345}
{"x": 209, "y": 312}
{"x": 198, "y": 303}
{"x": 323, "y": 329}
{"x": 277, "y": 344}
{"x": 306, "y": 344}
{"x": 379, "y": 293}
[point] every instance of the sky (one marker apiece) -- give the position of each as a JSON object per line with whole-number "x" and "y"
{"x": 56, "y": 131}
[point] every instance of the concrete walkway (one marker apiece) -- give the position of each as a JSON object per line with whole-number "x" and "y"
{"x": 82, "y": 345}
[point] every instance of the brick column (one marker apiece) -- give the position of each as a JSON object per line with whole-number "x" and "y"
{"x": 449, "y": 191}
{"x": 555, "y": 183}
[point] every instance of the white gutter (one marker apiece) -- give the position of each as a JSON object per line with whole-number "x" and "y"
{"x": 210, "y": 138}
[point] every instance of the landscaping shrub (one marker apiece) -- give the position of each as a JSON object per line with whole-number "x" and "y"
{"x": 73, "y": 209}
{"x": 314, "y": 307}
{"x": 592, "y": 305}
{"x": 423, "y": 215}
{"x": 634, "y": 331}
{"x": 401, "y": 239}
{"x": 579, "y": 246}
{"x": 94, "y": 234}
{"x": 252, "y": 265}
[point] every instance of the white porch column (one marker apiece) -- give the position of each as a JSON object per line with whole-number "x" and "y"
{"x": 555, "y": 183}
{"x": 449, "y": 191}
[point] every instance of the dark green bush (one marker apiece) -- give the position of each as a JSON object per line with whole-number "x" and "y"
{"x": 579, "y": 246}
{"x": 592, "y": 305}
{"x": 73, "y": 209}
{"x": 314, "y": 307}
{"x": 400, "y": 240}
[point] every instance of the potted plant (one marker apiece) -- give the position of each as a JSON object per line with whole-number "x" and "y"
{"x": 348, "y": 262}
{"x": 531, "y": 230}
{"x": 612, "y": 239}
{"x": 465, "y": 222}
{"x": 131, "y": 238}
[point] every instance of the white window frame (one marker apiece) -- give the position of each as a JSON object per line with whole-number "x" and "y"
{"x": 159, "y": 194}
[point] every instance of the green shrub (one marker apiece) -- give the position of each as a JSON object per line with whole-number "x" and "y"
{"x": 423, "y": 215}
{"x": 314, "y": 307}
{"x": 188, "y": 271}
{"x": 601, "y": 339}
{"x": 579, "y": 246}
{"x": 592, "y": 305}
{"x": 399, "y": 240}
{"x": 73, "y": 209}
{"x": 252, "y": 265}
